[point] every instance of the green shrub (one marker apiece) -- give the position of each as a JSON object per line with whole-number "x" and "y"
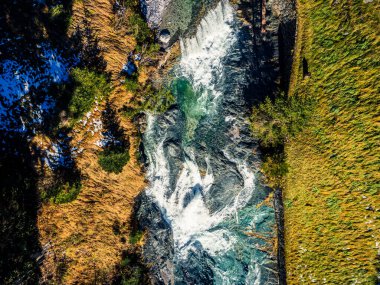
{"x": 60, "y": 18}
{"x": 89, "y": 87}
{"x": 134, "y": 278}
{"x": 153, "y": 49}
{"x": 132, "y": 4}
{"x": 63, "y": 193}
{"x": 131, "y": 270}
{"x": 275, "y": 166}
{"x": 158, "y": 100}
{"x": 288, "y": 203}
{"x": 153, "y": 100}
{"x": 275, "y": 121}
{"x": 140, "y": 29}
{"x": 113, "y": 160}
{"x": 56, "y": 11}
{"x": 135, "y": 237}
{"x": 131, "y": 112}
{"x": 131, "y": 84}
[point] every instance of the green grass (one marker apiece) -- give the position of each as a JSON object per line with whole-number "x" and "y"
{"x": 89, "y": 87}
{"x": 333, "y": 161}
{"x": 157, "y": 101}
{"x": 275, "y": 121}
{"x": 140, "y": 29}
{"x": 135, "y": 237}
{"x": 151, "y": 99}
{"x": 64, "y": 193}
{"x": 131, "y": 271}
{"x": 56, "y": 11}
{"x": 132, "y": 84}
{"x": 113, "y": 161}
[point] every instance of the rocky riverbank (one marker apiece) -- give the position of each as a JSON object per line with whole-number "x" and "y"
{"x": 264, "y": 71}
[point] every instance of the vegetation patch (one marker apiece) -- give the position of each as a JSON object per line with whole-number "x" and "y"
{"x": 275, "y": 121}
{"x": 128, "y": 15}
{"x": 116, "y": 149}
{"x": 65, "y": 186}
{"x": 131, "y": 271}
{"x": 152, "y": 99}
{"x": 89, "y": 87}
{"x": 61, "y": 194}
{"x": 139, "y": 29}
{"x": 333, "y": 162}
{"x": 113, "y": 160}
{"x": 136, "y": 237}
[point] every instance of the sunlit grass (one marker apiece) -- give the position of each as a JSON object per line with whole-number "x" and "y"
{"x": 332, "y": 189}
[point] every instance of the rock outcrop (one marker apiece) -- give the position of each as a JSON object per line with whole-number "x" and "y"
{"x": 154, "y": 11}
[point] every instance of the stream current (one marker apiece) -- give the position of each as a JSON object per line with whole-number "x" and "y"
{"x": 203, "y": 208}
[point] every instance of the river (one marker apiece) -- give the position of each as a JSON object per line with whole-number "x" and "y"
{"x": 203, "y": 207}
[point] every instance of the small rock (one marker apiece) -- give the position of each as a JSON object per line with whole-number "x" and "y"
{"x": 164, "y": 37}
{"x": 369, "y": 208}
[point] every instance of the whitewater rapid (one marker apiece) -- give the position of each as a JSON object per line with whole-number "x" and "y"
{"x": 201, "y": 64}
{"x": 203, "y": 176}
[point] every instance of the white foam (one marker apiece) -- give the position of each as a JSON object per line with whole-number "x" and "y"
{"x": 202, "y": 55}
{"x": 217, "y": 242}
{"x": 185, "y": 206}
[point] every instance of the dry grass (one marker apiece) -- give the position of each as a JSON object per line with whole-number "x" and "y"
{"x": 81, "y": 231}
{"x": 85, "y": 248}
{"x": 332, "y": 191}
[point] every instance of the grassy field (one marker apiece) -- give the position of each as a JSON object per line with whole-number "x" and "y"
{"x": 332, "y": 197}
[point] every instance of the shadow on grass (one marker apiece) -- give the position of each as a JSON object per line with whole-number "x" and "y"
{"x": 24, "y": 26}
{"x": 19, "y": 245}
{"x": 115, "y": 154}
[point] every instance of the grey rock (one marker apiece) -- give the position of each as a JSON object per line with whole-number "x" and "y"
{"x": 153, "y": 11}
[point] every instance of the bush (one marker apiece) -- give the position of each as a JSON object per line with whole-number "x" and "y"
{"x": 132, "y": 4}
{"x": 59, "y": 19}
{"x": 134, "y": 278}
{"x": 131, "y": 270}
{"x": 132, "y": 84}
{"x": 56, "y": 11}
{"x": 116, "y": 152}
{"x": 158, "y": 100}
{"x": 275, "y": 121}
{"x": 275, "y": 167}
{"x": 130, "y": 112}
{"x": 135, "y": 237}
{"x": 153, "y": 49}
{"x": 64, "y": 193}
{"x": 113, "y": 160}
{"x": 153, "y": 100}
{"x": 140, "y": 29}
{"x": 89, "y": 87}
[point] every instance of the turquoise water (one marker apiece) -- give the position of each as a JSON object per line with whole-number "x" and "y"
{"x": 189, "y": 101}
{"x": 204, "y": 175}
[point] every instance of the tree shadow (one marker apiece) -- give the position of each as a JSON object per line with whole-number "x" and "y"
{"x": 19, "y": 245}
{"x": 113, "y": 131}
{"x": 115, "y": 154}
{"x": 24, "y": 26}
